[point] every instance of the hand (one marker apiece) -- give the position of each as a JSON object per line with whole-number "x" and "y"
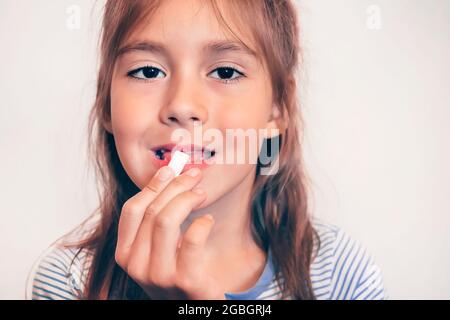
{"x": 150, "y": 248}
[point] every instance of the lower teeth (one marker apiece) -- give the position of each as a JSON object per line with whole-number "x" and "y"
{"x": 160, "y": 154}
{"x": 206, "y": 155}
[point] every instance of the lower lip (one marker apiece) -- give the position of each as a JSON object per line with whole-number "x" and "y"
{"x": 161, "y": 163}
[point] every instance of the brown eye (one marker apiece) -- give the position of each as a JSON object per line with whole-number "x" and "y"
{"x": 147, "y": 72}
{"x": 227, "y": 74}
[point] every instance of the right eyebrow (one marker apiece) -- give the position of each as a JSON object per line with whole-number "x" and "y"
{"x": 213, "y": 47}
{"x": 148, "y": 46}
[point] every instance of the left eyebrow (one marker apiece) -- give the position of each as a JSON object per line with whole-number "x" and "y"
{"x": 215, "y": 47}
{"x": 228, "y": 46}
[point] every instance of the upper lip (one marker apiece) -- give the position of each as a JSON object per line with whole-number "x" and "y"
{"x": 182, "y": 148}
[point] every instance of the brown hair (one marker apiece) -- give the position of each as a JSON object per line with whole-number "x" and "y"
{"x": 279, "y": 210}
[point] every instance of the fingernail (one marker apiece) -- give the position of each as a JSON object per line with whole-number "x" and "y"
{"x": 209, "y": 217}
{"x": 198, "y": 191}
{"x": 164, "y": 174}
{"x": 193, "y": 172}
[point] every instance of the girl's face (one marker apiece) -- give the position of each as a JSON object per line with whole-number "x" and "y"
{"x": 182, "y": 68}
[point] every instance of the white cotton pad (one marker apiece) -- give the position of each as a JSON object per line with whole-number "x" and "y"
{"x": 178, "y": 161}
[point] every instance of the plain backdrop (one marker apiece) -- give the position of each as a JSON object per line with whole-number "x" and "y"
{"x": 375, "y": 96}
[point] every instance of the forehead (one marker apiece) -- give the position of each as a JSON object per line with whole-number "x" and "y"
{"x": 187, "y": 25}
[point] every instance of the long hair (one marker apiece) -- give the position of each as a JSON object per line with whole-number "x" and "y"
{"x": 279, "y": 211}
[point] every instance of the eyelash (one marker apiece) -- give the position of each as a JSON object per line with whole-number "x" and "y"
{"x": 131, "y": 74}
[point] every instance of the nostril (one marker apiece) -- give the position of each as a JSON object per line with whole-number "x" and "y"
{"x": 173, "y": 119}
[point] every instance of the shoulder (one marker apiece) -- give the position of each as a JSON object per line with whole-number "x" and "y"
{"x": 59, "y": 274}
{"x": 343, "y": 268}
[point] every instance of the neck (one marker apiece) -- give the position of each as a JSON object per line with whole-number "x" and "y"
{"x": 231, "y": 232}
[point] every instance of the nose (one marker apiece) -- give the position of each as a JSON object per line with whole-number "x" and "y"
{"x": 185, "y": 105}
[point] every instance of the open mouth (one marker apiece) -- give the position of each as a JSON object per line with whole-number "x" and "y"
{"x": 197, "y": 155}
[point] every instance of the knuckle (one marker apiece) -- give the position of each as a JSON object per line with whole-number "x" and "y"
{"x": 185, "y": 198}
{"x": 130, "y": 208}
{"x": 153, "y": 187}
{"x": 151, "y": 210}
{"x": 192, "y": 241}
{"x": 136, "y": 271}
{"x": 179, "y": 183}
{"x": 194, "y": 197}
{"x": 162, "y": 222}
{"x": 156, "y": 279}
{"x": 185, "y": 283}
{"x": 120, "y": 259}
{"x": 132, "y": 270}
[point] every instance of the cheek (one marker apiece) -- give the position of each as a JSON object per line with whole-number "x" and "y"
{"x": 241, "y": 142}
{"x": 128, "y": 113}
{"x": 251, "y": 113}
{"x": 249, "y": 109}
{"x": 239, "y": 119}
{"x": 248, "y": 112}
{"x": 131, "y": 117}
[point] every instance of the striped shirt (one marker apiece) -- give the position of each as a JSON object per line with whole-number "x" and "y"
{"x": 341, "y": 270}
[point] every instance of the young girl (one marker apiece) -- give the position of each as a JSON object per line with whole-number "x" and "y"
{"x": 218, "y": 230}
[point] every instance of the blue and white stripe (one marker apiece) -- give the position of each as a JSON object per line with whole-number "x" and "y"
{"x": 341, "y": 270}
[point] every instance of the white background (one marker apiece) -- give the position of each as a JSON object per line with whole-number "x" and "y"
{"x": 376, "y": 104}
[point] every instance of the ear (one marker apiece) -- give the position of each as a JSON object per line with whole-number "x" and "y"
{"x": 276, "y": 124}
{"x": 277, "y": 120}
{"x": 108, "y": 126}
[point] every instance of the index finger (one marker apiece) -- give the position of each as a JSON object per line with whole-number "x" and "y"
{"x": 133, "y": 211}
